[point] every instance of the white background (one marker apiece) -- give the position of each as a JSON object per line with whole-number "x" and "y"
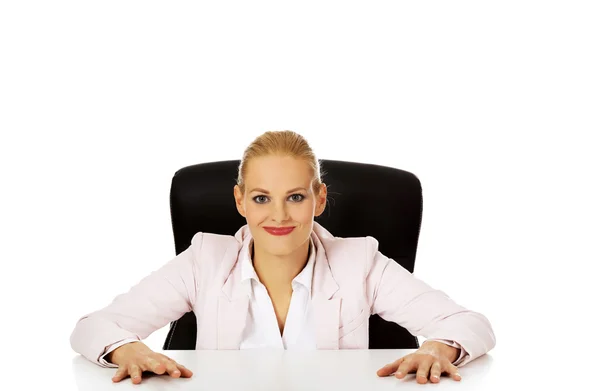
{"x": 495, "y": 107}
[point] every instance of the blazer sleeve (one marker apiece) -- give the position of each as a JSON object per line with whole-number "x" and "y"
{"x": 400, "y": 297}
{"x": 159, "y": 298}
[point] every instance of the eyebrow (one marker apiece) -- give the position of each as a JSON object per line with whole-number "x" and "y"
{"x": 266, "y": 192}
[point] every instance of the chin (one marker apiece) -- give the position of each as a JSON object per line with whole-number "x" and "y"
{"x": 280, "y": 248}
{"x": 279, "y": 252}
{"x": 278, "y": 245}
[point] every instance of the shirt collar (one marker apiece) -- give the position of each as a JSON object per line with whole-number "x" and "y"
{"x": 248, "y": 273}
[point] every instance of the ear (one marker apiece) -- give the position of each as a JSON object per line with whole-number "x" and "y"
{"x": 239, "y": 200}
{"x": 321, "y": 200}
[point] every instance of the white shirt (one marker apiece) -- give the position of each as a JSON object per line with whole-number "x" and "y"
{"x": 262, "y": 329}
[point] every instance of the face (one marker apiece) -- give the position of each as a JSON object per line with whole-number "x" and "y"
{"x": 279, "y": 193}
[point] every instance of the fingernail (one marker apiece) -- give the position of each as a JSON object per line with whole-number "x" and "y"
{"x": 458, "y": 374}
{"x": 436, "y": 377}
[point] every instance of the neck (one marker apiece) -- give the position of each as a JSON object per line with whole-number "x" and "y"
{"x": 276, "y": 272}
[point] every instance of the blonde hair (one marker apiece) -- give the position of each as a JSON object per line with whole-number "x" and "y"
{"x": 282, "y": 142}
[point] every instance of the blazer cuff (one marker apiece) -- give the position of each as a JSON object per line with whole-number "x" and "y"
{"x": 102, "y": 360}
{"x": 463, "y": 353}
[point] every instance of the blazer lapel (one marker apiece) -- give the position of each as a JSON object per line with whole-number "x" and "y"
{"x": 326, "y": 308}
{"x": 232, "y": 312}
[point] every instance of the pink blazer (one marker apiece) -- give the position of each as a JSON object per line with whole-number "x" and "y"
{"x": 351, "y": 281}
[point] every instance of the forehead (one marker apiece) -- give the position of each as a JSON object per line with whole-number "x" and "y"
{"x": 278, "y": 172}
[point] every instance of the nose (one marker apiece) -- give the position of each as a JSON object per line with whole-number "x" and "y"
{"x": 279, "y": 212}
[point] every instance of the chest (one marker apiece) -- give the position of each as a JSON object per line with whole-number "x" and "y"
{"x": 276, "y": 302}
{"x": 281, "y": 306}
{"x": 246, "y": 322}
{"x": 280, "y": 315}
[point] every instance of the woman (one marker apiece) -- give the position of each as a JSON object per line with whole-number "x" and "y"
{"x": 282, "y": 281}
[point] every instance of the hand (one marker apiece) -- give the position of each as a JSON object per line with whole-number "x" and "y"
{"x": 430, "y": 361}
{"x": 135, "y": 357}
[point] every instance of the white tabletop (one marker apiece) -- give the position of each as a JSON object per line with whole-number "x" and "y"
{"x": 283, "y": 370}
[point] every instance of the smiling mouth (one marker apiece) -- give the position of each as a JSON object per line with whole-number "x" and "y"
{"x": 279, "y": 231}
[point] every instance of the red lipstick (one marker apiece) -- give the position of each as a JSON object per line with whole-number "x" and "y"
{"x": 279, "y": 231}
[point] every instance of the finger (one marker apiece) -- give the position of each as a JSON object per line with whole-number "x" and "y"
{"x": 389, "y": 368}
{"x": 184, "y": 371}
{"x": 135, "y": 373}
{"x": 423, "y": 370}
{"x": 452, "y": 371}
{"x": 171, "y": 368}
{"x": 436, "y": 372}
{"x": 407, "y": 366}
{"x": 155, "y": 365}
{"x": 120, "y": 374}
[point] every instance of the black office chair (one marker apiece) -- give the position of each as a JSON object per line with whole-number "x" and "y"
{"x": 363, "y": 199}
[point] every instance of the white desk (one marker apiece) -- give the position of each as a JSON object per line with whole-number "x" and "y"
{"x": 283, "y": 371}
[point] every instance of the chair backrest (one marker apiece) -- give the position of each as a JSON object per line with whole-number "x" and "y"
{"x": 363, "y": 200}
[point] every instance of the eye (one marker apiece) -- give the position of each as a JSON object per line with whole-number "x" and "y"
{"x": 297, "y": 197}
{"x": 261, "y": 199}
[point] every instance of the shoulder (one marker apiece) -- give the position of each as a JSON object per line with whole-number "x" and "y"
{"x": 212, "y": 252}
{"x": 344, "y": 249}
{"x": 354, "y": 247}
{"x": 355, "y": 264}
{"x": 212, "y": 244}
{"x": 350, "y": 256}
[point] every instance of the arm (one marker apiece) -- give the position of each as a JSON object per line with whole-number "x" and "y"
{"x": 400, "y": 297}
{"x": 161, "y": 297}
